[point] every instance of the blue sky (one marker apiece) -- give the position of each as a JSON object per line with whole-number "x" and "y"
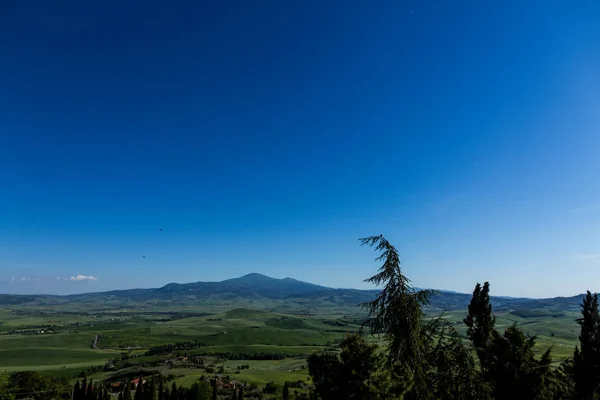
{"x": 268, "y": 137}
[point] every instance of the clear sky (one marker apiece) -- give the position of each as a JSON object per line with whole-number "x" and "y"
{"x": 268, "y": 136}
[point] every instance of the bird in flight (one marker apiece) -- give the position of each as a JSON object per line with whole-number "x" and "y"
{"x": 143, "y": 256}
{"x": 161, "y": 229}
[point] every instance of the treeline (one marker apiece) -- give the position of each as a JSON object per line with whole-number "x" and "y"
{"x": 170, "y": 348}
{"x": 427, "y": 359}
{"x": 33, "y": 385}
{"x": 192, "y": 345}
{"x": 250, "y": 356}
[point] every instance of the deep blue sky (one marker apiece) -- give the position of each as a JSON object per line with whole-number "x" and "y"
{"x": 269, "y": 136}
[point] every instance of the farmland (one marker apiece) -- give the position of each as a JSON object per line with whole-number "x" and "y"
{"x": 248, "y": 338}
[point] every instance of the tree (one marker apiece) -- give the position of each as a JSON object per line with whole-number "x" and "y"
{"x": 84, "y": 387}
{"x": 139, "y": 392}
{"x": 90, "y": 394}
{"x": 359, "y": 372}
{"x": 151, "y": 392}
{"x": 480, "y": 322}
{"x": 286, "y": 392}
{"x": 35, "y": 386}
{"x": 453, "y": 373}
{"x": 513, "y": 370}
{"x": 214, "y": 389}
{"x": 77, "y": 391}
{"x": 173, "y": 395}
{"x": 397, "y": 314}
{"x": 586, "y": 359}
{"x": 161, "y": 388}
{"x": 127, "y": 391}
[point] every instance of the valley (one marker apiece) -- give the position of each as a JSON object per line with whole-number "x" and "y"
{"x": 254, "y": 329}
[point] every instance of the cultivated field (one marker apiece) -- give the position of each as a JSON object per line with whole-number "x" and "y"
{"x": 256, "y": 344}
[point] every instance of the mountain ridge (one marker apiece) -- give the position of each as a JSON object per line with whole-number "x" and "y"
{"x": 256, "y": 286}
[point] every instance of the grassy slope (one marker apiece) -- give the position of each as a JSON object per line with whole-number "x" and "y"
{"x": 229, "y": 328}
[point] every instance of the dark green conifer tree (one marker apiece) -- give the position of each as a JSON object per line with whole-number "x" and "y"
{"x": 286, "y": 392}
{"x": 90, "y": 394}
{"x": 360, "y": 372}
{"x": 153, "y": 394}
{"x": 513, "y": 370}
{"x": 139, "y": 392}
{"x": 397, "y": 314}
{"x": 161, "y": 388}
{"x": 77, "y": 391}
{"x": 586, "y": 359}
{"x": 480, "y": 323}
{"x": 173, "y": 395}
{"x": 214, "y": 389}
{"x": 127, "y": 391}
{"x": 84, "y": 387}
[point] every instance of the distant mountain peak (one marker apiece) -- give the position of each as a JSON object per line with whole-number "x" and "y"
{"x": 251, "y": 277}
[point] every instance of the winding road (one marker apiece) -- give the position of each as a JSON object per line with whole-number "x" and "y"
{"x": 95, "y": 342}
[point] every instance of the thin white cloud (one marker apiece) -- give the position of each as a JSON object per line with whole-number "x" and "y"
{"x": 26, "y": 279}
{"x": 83, "y": 278}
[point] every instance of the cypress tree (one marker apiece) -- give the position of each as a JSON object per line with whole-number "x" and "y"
{"x": 214, "y": 389}
{"x": 586, "y": 359}
{"x": 84, "y": 387}
{"x": 514, "y": 371}
{"x": 77, "y": 391}
{"x": 161, "y": 388}
{"x": 151, "y": 390}
{"x": 139, "y": 392}
{"x": 480, "y": 322}
{"x": 173, "y": 395}
{"x": 286, "y": 392}
{"x": 127, "y": 391}
{"x": 90, "y": 391}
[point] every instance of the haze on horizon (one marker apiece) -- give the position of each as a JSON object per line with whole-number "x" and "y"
{"x": 270, "y": 138}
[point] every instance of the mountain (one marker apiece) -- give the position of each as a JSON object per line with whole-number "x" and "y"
{"x": 274, "y": 291}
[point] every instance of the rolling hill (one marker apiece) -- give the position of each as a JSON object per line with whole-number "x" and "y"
{"x": 256, "y": 286}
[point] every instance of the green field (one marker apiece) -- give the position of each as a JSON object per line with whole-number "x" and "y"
{"x": 65, "y": 346}
{"x": 218, "y": 332}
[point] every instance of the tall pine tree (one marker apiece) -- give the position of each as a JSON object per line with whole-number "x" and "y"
{"x": 214, "y": 389}
{"x": 397, "y": 314}
{"x": 586, "y": 359}
{"x": 150, "y": 394}
{"x": 161, "y": 388}
{"x": 77, "y": 391}
{"x": 139, "y": 392}
{"x": 514, "y": 371}
{"x": 286, "y": 392}
{"x": 480, "y": 323}
{"x": 127, "y": 391}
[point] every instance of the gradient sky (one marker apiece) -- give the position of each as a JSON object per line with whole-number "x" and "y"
{"x": 269, "y": 136}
